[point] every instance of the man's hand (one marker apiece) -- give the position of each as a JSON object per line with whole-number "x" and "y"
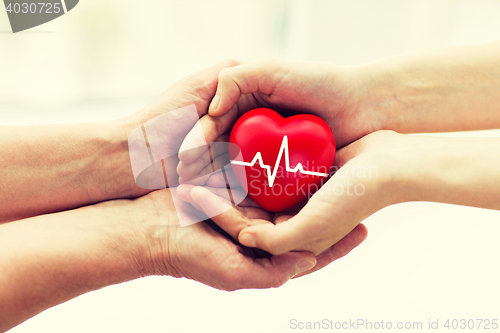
{"x": 51, "y": 168}
{"x": 49, "y": 259}
{"x": 197, "y": 89}
{"x": 200, "y": 252}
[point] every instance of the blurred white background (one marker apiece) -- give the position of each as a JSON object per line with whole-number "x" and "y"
{"x": 108, "y": 59}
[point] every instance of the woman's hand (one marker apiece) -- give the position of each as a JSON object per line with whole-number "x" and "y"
{"x": 360, "y": 187}
{"x": 380, "y": 169}
{"x": 328, "y": 91}
{"x": 453, "y": 89}
{"x": 367, "y": 179}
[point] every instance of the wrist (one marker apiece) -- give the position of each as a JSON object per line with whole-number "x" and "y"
{"x": 115, "y": 167}
{"x": 125, "y": 227}
{"x": 159, "y": 225}
{"x": 396, "y": 164}
{"x": 378, "y": 94}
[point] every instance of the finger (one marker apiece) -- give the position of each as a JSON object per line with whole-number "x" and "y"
{"x": 228, "y": 180}
{"x": 223, "y": 192}
{"x": 340, "y": 249}
{"x": 321, "y": 218}
{"x": 225, "y": 215}
{"x": 244, "y": 79}
{"x": 295, "y": 234}
{"x": 271, "y": 273}
{"x": 186, "y": 213}
{"x": 183, "y": 191}
{"x": 208, "y": 129}
{"x": 218, "y": 163}
{"x": 288, "y": 213}
{"x": 217, "y": 148}
{"x": 218, "y": 180}
{"x": 282, "y": 218}
{"x": 347, "y": 153}
{"x": 239, "y": 197}
{"x": 208, "y": 170}
{"x": 198, "y": 180}
{"x": 303, "y": 232}
{"x": 206, "y": 79}
{"x": 248, "y": 202}
{"x": 218, "y": 185}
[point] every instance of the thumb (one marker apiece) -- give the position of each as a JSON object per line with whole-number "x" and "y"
{"x": 279, "y": 238}
{"x": 260, "y": 76}
{"x": 319, "y": 219}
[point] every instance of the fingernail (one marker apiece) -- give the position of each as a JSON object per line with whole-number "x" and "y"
{"x": 215, "y": 103}
{"x": 248, "y": 239}
{"x": 304, "y": 266}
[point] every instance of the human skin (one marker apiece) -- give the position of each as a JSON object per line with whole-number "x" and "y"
{"x": 49, "y": 168}
{"x": 49, "y": 259}
{"x": 380, "y": 169}
{"x": 452, "y": 89}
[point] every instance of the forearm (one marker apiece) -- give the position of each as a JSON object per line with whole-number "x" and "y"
{"x": 454, "y": 89}
{"x": 50, "y": 259}
{"x": 51, "y": 168}
{"x": 461, "y": 171}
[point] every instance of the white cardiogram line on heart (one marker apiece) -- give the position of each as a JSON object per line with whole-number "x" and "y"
{"x": 272, "y": 176}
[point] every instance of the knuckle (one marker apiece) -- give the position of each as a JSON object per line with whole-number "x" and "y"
{"x": 218, "y": 124}
{"x": 225, "y": 74}
{"x": 233, "y": 62}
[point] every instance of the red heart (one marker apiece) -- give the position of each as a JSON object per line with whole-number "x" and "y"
{"x": 265, "y": 133}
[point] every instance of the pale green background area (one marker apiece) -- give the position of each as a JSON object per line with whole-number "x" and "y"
{"x": 107, "y": 59}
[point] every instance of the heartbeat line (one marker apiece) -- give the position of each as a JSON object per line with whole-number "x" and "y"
{"x": 271, "y": 176}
